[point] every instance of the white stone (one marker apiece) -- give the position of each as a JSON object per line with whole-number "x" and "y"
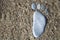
{"x": 39, "y": 23}
{"x": 33, "y": 6}
{"x": 38, "y": 6}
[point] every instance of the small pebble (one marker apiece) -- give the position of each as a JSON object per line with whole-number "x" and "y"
{"x": 46, "y": 10}
{"x": 38, "y": 6}
{"x": 43, "y": 7}
{"x": 33, "y": 6}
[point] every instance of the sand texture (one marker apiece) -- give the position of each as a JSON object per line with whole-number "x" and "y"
{"x": 16, "y": 18}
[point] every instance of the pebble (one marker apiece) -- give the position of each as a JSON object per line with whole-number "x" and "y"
{"x": 38, "y": 6}
{"x": 42, "y": 7}
{"x": 39, "y": 22}
{"x": 46, "y": 10}
{"x": 33, "y": 6}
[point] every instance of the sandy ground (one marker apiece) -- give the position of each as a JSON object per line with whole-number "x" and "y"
{"x": 16, "y": 17}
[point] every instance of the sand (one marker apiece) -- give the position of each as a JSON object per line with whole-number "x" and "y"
{"x": 16, "y": 18}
